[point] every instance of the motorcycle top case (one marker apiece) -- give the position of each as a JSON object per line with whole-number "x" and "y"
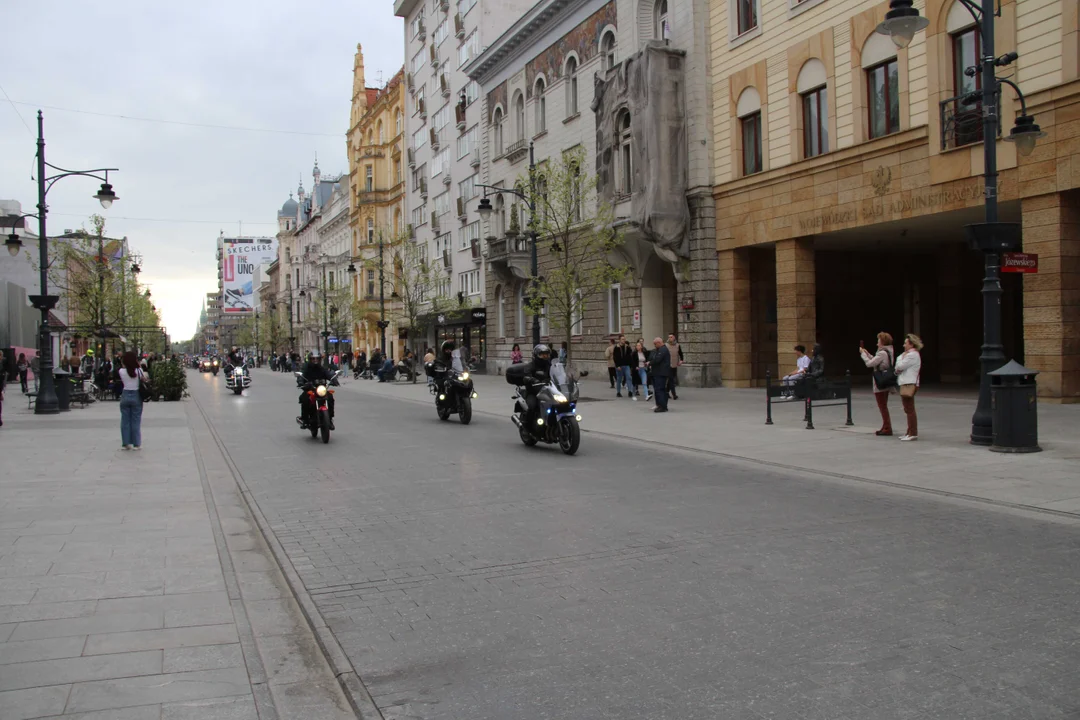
{"x": 515, "y": 374}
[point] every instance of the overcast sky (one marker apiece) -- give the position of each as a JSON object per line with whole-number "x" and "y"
{"x": 248, "y": 63}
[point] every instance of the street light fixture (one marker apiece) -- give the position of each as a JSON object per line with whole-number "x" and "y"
{"x": 105, "y": 195}
{"x": 13, "y": 243}
{"x": 992, "y": 237}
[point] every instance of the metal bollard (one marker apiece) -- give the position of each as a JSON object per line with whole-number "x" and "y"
{"x": 768, "y": 398}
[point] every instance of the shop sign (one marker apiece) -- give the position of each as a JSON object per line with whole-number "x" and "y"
{"x": 637, "y": 319}
{"x": 479, "y": 314}
{"x": 1019, "y": 262}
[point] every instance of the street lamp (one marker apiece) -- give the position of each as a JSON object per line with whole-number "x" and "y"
{"x": 485, "y": 209}
{"x": 46, "y": 399}
{"x": 992, "y": 237}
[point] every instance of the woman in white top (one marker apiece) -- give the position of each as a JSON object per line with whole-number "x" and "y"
{"x": 131, "y": 405}
{"x": 908, "y": 368}
{"x": 881, "y": 360}
{"x": 643, "y": 367}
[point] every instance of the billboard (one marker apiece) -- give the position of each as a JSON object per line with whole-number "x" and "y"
{"x": 239, "y": 258}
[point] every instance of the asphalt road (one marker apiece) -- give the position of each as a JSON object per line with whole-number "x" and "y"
{"x": 467, "y": 576}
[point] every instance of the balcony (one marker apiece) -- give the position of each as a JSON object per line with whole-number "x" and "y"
{"x": 516, "y": 150}
{"x": 369, "y": 197}
{"x": 474, "y": 157}
{"x": 508, "y": 257}
{"x": 962, "y": 120}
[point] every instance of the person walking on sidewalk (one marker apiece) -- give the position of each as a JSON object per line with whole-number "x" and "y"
{"x": 675, "y": 351}
{"x": 908, "y": 369}
{"x": 641, "y": 365}
{"x": 623, "y": 355}
{"x": 131, "y": 404}
{"x": 23, "y": 367}
{"x": 609, "y": 355}
{"x": 881, "y": 360}
{"x": 515, "y": 355}
{"x": 660, "y": 362}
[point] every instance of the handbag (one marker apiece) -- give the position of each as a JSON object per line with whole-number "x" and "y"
{"x": 886, "y": 378}
{"x": 145, "y": 391}
{"x": 908, "y": 390}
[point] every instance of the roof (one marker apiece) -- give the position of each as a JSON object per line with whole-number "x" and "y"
{"x": 55, "y": 322}
{"x": 288, "y": 209}
{"x": 372, "y": 95}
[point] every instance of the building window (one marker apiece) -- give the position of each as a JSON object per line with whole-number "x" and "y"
{"x": 370, "y": 231}
{"x": 520, "y": 330}
{"x": 626, "y": 169}
{"x": 397, "y": 171}
{"x": 883, "y": 94}
{"x": 417, "y": 62}
{"x": 614, "y": 317}
{"x": 469, "y": 234}
{"x": 500, "y": 216}
{"x": 370, "y": 283}
{"x": 663, "y": 27}
{"x": 467, "y": 188}
{"x": 382, "y": 134}
{"x": 815, "y": 109}
{"x": 369, "y": 179}
{"x": 442, "y": 203}
{"x": 541, "y": 107}
{"x": 500, "y": 312}
{"x": 607, "y": 50}
{"x": 751, "y": 143}
{"x": 575, "y": 192}
{"x": 571, "y": 87}
{"x": 397, "y": 123}
{"x": 497, "y": 130}
{"x": 519, "y": 116}
{"x": 419, "y": 138}
{"x": 746, "y": 15}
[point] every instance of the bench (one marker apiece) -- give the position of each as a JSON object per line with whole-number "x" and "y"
{"x": 819, "y": 391}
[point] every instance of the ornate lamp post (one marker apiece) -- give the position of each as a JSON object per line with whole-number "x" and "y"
{"x": 992, "y": 237}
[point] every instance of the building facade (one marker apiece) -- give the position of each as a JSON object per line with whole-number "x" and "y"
{"x": 847, "y": 170}
{"x": 624, "y": 82}
{"x": 377, "y": 213}
{"x": 443, "y": 129}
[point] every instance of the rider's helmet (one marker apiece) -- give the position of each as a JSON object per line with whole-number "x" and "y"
{"x": 541, "y": 357}
{"x": 447, "y": 350}
{"x": 315, "y": 357}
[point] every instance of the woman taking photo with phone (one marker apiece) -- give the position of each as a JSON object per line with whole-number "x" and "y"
{"x": 881, "y": 365}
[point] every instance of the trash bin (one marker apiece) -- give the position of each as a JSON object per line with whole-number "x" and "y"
{"x": 62, "y": 385}
{"x": 1014, "y": 409}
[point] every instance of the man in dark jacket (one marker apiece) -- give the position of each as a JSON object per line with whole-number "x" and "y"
{"x": 314, "y": 371}
{"x": 623, "y": 356}
{"x": 660, "y": 362}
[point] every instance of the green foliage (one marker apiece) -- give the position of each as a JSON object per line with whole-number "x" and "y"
{"x": 168, "y": 380}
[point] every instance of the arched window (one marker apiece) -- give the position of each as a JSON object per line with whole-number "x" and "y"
{"x": 370, "y": 137}
{"x": 500, "y": 216}
{"x": 814, "y": 99}
{"x": 607, "y": 50}
{"x": 965, "y": 126}
{"x": 571, "y": 86}
{"x": 497, "y": 130}
{"x": 397, "y": 223}
{"x": 625, "y": 158}
{"x": 370, "y": 231}
{"x": 500, "y": 312}
{"x": 541, "y": 106}
{"x": 519, "y": 116}
{"x": 663, "y": 26}
{"x": 520, "y": 330}
{"x": 397, "y": 123}
{"x": 748, "y": 110}
{"x": 382, "y": 134}
{"x": 882, "y": 85}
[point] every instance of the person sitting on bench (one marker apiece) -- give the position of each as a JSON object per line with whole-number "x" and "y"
{"x": 802, "y": 364}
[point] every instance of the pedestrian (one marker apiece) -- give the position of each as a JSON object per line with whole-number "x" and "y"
{"x": 908, "y": 369}
{"x": 609, "y": 355}
{"x": 23, "y": 367}
{"x": 563, "y": 353}
{"x": 131, "y": 404}
{"x": 623, "y": 356}
{"x": 515, "y": 355}
{"x": 660, "y": 362}
{"x": 881, "y": 360}
{"x": 641, "y": 357}
{"x": 676, "y": 360}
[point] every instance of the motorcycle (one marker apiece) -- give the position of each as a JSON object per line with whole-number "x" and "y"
{"x": 453, "y": 393}
{"x": 318, "y": 410}
{"x": 557, "y": 419}
{"x": 214, "y": 367}
{"x": 237, "y": 379}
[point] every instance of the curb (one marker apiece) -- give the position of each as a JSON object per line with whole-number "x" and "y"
{"x": 348, "y": 679}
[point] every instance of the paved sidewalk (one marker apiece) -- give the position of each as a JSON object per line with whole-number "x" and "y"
{"x": 135, "y": 585}
{"x": 732, "y": 422}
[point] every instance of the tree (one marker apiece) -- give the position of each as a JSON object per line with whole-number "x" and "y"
{"x": 333, "y": 310}
{"x": 575, "y": 268}
{"x": 421, "y": 285}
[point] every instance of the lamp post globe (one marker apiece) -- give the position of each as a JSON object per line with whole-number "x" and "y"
{"x": 1025, "y": 133}
{"x": 485, "y": 209}
{"x": 105, "y": 195}
{"x": 901, "y": 23}
{"x": 13, "y": 243}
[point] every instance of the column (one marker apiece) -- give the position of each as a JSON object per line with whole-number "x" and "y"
{"x": 1052, "y": 296}
{"x": 735, "y": 343}
{"x": 796, "y": 300}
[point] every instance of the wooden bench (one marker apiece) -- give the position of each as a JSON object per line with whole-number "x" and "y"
{"x": 819, "y": 391}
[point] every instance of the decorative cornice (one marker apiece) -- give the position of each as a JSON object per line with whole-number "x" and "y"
{"x": 512, "y": 43}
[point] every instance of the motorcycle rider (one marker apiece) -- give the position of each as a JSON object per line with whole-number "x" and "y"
{"x": 314, "y": 371}
{"x": 537, "y": 374}
{"x": 234, "y": 359}
{"x": 442, "y": 364}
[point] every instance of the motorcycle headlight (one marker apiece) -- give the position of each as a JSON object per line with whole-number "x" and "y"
{"x": 464, "y": 376}
{"x": 238, "y": 371}
{"x": 558, "y": 397}
{"x": 321, "y": 391}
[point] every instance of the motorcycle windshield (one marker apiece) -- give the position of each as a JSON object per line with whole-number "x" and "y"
{"x": 564, "y": 380}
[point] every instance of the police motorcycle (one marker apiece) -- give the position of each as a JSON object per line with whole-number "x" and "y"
{"x": 555, "y": 420}
{"x": 451, "y": 386}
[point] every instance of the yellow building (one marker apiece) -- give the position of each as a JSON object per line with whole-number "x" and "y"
{"x": 847, "y": 170}
{"x": 376, "y": 179}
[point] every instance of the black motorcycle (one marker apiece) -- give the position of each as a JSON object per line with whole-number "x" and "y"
{"x": 557, "y": 419}
{"x": 315, "y": 415}
{"x": 453, "y": 392}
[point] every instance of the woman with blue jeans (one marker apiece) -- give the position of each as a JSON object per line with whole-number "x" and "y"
{"x": 131, "y": 405}
{"x": 642, "y": 368}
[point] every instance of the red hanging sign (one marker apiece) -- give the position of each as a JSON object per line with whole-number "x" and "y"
{"x": 1019, "y": 262}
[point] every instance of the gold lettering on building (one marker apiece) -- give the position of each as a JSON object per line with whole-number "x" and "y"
{"x": 875, "y": 210}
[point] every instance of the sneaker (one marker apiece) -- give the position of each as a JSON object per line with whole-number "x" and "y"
{"x": 635, "y": 397}
{"x": 136, "y": 447}
{"x": 909, "y": 438}
{"x": 125, "y": 447}
{"x": 618, "y": 394}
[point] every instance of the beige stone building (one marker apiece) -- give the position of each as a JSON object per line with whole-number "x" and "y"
{"x": 376, "y": 135}
{"x": 846, "y": 170}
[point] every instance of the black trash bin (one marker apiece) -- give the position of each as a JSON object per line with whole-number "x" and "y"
{"x": 62, "y": 384}
{"x": 1014, "y": 408}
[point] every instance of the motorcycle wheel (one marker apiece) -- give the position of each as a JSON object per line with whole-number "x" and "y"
{"x": 526, "y": 437}
{"x": 444, "y": 412}
{"x": 324, "y": 425}
{"x": 314, "y": 428}
{"x": 238, "y": 390}
{"x": 465, "y": 410}
{"x": 569, "y": 436}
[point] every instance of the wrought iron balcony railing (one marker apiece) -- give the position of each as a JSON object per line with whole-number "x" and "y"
{"x": 962, "y": 120}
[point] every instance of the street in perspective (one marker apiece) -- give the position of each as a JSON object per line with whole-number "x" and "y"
{"x": 540, "y": 359}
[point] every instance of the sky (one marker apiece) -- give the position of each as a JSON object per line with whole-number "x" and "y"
{"x": 262, "y": 64}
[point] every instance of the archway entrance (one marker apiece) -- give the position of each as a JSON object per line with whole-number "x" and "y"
{"x": 659, "y": 301}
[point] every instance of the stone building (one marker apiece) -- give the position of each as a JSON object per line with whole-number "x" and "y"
{"x": 377, "y": 207}
{"x": 626, "y": 82}
{"x": 847, "y": 169}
